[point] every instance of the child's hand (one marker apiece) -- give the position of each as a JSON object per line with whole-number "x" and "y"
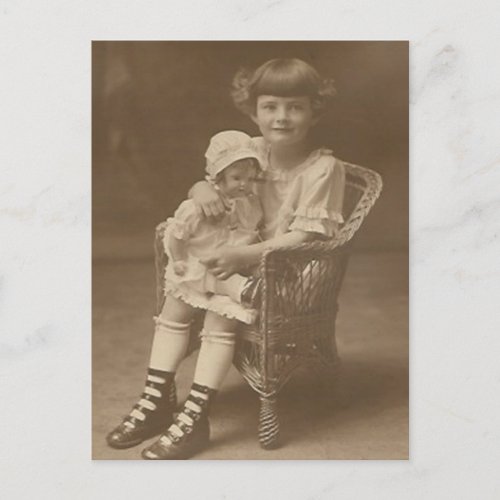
{"x": 180, "y": 267}
{"x": 225, "y": 262}
{"x": 207, "y": 201}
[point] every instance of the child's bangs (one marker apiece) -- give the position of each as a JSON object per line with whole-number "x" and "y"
{"x": 286, "y": 81}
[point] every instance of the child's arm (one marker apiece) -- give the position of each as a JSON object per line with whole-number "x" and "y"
{"x": 229, "y": 260}
{"x": 207, "y": 200}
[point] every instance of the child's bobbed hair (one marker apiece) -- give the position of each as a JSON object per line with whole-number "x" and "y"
{"x": 282, "y": 78}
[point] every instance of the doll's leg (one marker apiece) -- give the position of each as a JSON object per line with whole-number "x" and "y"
{"x": 153, "y": 412}
{"x": 190, "y": 432}
{"x": 245, "y": 290}
{"x": 232, "y": 286}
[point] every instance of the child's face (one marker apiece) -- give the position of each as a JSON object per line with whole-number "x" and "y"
{"x": 284, "y": 121}
{"x": 238, "y": 179}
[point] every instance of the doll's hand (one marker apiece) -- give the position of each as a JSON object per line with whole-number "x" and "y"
{"x": 224, "y": 262}
{"x": 207, "y": 201}
{"x": 180, "y": 267}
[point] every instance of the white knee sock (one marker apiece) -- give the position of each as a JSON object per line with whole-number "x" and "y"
{"x": 169, "y": 344}
{"x": 215, "y": 358}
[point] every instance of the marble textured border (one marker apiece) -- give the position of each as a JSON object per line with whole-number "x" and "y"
{"x": 45, "y": 249}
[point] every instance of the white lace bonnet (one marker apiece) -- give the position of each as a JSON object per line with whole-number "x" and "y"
{"x": 227, "y": 147}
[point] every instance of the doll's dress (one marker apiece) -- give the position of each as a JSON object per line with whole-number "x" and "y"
{"x": 239, "y": 226}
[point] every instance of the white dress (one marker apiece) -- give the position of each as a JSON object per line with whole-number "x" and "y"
{"x": 308, "y": 197}
{"x": 239, "y": 227}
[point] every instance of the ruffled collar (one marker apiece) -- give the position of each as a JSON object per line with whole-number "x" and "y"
{"x": 281, "y": 174}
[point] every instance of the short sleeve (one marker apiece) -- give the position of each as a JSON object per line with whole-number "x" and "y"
{"x": 184, "y": 222}
{"x": 317, "y": 197}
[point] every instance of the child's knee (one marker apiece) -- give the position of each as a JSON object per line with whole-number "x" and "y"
{"x": 216, "y": 322}
{"x": 172, "y": 327}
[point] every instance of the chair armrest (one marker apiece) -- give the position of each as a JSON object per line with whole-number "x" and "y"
{"x": 309, "y": 250}
{"x": 372, "y": 186}
{"x": 301, "y": 280}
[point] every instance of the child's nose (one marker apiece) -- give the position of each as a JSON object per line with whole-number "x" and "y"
{"x": 282, "y": 113}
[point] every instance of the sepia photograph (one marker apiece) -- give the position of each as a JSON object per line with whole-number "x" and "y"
{"x": 250, "y": 250}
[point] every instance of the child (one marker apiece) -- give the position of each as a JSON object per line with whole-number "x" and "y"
{"x": 232, "y": 166}
{"x": 303, "y": 189}
{"x": 302, "y": 192}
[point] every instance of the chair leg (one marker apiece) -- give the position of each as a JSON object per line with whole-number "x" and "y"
{"x": 269, "y": 427}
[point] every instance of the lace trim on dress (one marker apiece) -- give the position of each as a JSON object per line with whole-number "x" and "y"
{"x": 319, "y": 213}
{"x": 264, "y": 150}
{"x": 275, "y": 174}
{"x": 310, "y": 219}
{"x": 322, "y": 226}
{"x": 219, "y": 304}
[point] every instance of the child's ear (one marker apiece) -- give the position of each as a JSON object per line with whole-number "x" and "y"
{"x": 253, "y": 116}
{"x": 315, "y": 120}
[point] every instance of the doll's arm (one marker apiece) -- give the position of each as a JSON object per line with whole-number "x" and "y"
{"x": 177, "y": 249}
{"x": 207, "y": 200}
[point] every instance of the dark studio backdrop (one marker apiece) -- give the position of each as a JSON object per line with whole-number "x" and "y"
{"x": 155, "y": 105}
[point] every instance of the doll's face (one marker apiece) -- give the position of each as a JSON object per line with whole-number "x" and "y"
{"x": 284, "y": 121}
{"x": 238, "y": 179}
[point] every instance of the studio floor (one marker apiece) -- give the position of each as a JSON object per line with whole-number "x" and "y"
{"x": 367, "y": 418}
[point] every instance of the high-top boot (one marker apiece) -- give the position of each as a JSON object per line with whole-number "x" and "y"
{"x": 190, "y": 432}
{"x": 152, "y": 414}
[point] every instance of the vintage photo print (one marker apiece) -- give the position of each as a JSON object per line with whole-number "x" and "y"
{"x": 250, "y": 250}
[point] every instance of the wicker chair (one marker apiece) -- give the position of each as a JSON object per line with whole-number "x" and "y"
{"x": 296, "y": 324}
